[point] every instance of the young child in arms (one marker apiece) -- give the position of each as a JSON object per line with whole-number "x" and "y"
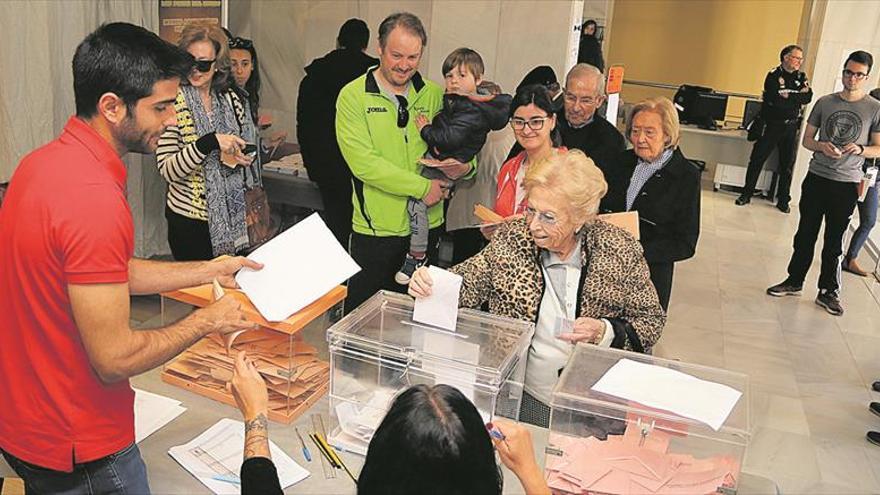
{"x": 458, "y": 133}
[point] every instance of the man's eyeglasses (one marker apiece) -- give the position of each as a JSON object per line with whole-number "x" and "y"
{"x": 534, "y": 123}
{"x": 858, "y": 76}
{"x": 586, "y": 100}
{"x": 203, "y": 65}
{"x": 402, "y": 111}
{"x": 545, "y": 218}
{"x": 240, "y": 43}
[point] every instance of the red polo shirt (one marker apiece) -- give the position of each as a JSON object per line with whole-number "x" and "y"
{"x": 65, "y": 220}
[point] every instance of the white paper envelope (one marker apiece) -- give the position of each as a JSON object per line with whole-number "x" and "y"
{"x": 301, "y": 264}
{"x": 440, "y": 309}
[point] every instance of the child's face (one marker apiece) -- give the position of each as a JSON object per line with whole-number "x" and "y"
{"x": 460, "y": 80}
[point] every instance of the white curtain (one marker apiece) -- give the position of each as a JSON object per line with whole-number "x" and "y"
{"x": 40, "y": 36}
{"x": 36, "y": 92}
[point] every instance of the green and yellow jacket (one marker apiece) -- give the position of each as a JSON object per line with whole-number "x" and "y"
{"x": 383, "y": 158}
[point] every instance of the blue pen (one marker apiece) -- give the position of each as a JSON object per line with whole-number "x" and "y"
{"x": 229, "y": 478}
{"x": 496, "y": 434}
{"x": 305, "y": 450}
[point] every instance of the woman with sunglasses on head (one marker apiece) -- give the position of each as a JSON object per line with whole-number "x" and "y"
{"x": 578, "y": 278}
{"x": 534, "y": 126}
{"x": 202, "y": 157}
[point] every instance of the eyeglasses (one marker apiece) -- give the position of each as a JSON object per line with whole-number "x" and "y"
{"x": 534, "y": 123}
{"x": 240, "y": 43}
{"x": 858, "y": 76}
{"x": 402, "y": 111}
{"x": 586, "y": 100}
{"x": 544, "y": 217}
{"x": 203, "y": 65}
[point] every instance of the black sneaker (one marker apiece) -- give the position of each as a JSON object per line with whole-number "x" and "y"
{"x": 873, "y": 437}
{"x": 876, "y": 386}
{"x": 874, "y": 407}
{"x": 743, "y": 200}
{"x": 829, "y": 300}
{"x": 410, "y": 265}
{"x": 785, "y": 289}
{"x": 784, "y": 208}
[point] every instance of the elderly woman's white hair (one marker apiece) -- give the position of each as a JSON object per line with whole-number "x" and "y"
{"x": 575, "y": 177}
{"x": 663, "y": 107}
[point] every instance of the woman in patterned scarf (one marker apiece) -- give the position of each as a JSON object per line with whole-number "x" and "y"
{"x": 202, "y": 157}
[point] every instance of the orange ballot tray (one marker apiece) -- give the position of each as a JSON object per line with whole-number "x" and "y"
{"x": 295, "y": 375}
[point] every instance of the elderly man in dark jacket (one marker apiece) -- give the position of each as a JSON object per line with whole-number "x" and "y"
{"x": 579, "y": 126}
{"x": 315, "y": 118}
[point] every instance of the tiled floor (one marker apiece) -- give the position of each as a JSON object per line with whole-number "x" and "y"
{"x": 810, "y": 372}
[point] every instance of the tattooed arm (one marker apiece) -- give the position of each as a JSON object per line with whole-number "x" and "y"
{"x": 256, "y": 437}
{"x": 258, "y": 473}
{"x": 252, "y": 398}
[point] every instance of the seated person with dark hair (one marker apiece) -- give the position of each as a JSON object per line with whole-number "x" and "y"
{"x": 432, "y": 441}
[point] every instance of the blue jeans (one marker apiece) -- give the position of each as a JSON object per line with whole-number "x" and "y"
{"x": 867, "y": 218}
{"x": 121, "y": 473}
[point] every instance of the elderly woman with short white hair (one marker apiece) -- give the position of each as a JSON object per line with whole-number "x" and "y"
{"x": 657, "y": 181}
{"x": 579, "y": 279}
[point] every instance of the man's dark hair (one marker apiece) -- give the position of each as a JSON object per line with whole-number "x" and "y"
{"x": 354, "y": 34}
{"x": 407, "y": 21}
{"x": 788, "y": 49}
{"x": 432, "y": 442}
{"x": 860, "y": 57}
{"x": 589, "y": 22}
{"x": 126, "y": 60}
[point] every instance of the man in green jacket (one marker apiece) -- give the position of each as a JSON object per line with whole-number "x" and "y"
{"x": 376, "y": 131}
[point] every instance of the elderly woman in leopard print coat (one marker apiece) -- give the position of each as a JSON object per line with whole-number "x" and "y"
{"x": 579, "y": 279}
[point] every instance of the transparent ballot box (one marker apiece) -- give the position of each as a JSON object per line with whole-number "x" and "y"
{"x": 293, "y": 370}
{"x": 613, "y": 429}
{"x": 377, "y": 351}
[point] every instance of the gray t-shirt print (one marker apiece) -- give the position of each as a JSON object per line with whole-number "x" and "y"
{"x": 843, "y": 122}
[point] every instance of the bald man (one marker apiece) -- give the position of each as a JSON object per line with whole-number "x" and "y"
{"x": 578, "y": 123}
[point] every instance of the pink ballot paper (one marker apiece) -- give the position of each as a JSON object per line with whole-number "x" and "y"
{"x": 634, "y": 463}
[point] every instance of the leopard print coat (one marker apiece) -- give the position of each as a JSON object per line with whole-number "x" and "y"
{"x": 615, "y": 283}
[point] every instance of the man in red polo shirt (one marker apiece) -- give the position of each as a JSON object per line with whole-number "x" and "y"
{"x": 66, "y": 273}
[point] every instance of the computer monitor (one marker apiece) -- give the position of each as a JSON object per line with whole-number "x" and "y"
{"x": 752, "y": 109}
{"x": 709, "y": 108}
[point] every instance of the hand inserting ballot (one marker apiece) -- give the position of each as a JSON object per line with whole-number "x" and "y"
{"x": 585, "y": 329}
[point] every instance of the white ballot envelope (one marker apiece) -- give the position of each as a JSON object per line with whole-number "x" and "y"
{"x": 301, "y": 264}
{"x": 440, "y": 309}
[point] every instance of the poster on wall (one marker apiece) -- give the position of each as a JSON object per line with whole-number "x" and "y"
{"x": 175, "y": 14}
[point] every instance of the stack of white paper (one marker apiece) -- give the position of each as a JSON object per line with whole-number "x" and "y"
{"x": 152, "y": 411}
{"x": 216, "y": 455}
{"x": 301, "y": 264}
{"x": 669, "y": 390}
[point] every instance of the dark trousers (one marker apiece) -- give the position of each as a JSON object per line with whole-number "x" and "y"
{"x": 466, "y": 243}
{"x": 776, "y": 135}
{"x": 379, "y": 259}
{"x": 833, "y": 202}
{"x": 189, "y": 239}
{"x": 661, "y": 277}
{"x": 121, "y": 473}
{"x": 336, "y": 196}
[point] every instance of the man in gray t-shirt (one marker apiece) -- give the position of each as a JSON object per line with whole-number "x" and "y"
{"x": 841, "y": 123}
{"x": 848, "y": 128}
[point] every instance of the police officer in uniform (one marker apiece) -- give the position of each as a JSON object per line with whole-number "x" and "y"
{"x": 786, "y": 91}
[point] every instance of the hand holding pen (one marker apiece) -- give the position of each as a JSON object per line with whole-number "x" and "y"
{"x": 514, "y": 445}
